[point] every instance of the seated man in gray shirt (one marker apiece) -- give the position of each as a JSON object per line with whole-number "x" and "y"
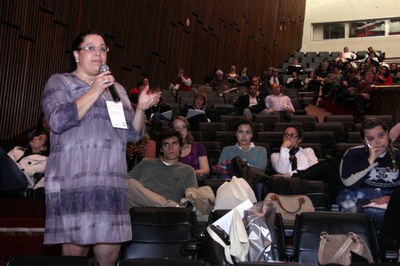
{"x": 162, "y": 181}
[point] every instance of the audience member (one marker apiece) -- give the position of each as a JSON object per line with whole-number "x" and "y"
{"x": 165, "y": 176}
{"x": 244, "y": 78}
{"x": 375, "y": 55}
{"x": 394, "y": 69}
{"x": 311, "y": 83}
{"x": 19, "y": 168}
{"x": 250, "y": 104}
{"x": 86, "y": 186}
{"x": 275, "y": 78}
{"x": 348, "y": 55}
{"x": 192, "y": 153}
{"x": 159, "y": 115}
{"x": 232, "y": 77}
{"x": 134, "y": 92}
{"x": 200, "y": 107}
{"x": 294, "y": 81}
{"x": 361, "y": 92}
{"x": 219, "y": 83}
{"x": 181, "y": 82}
{"x": 254, "y": 155}
{"x": 322, "y": 71}
{"x": 292, "y": 160}
{"x": 277, "y": 103}
{"x": 291, "y": 157}
{"x": 136, "y": 151}
{"x": 369, "y": 172}
{"x": 332, "y": 84}
{"x": 383, "y": 77}
{"x": 295, "y": 67}
{"x": 350, "y": 82}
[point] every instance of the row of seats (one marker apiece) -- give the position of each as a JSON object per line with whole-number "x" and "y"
{"x": 169, "y": 236}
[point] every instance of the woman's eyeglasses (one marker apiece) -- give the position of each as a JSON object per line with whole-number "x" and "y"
{"x": 287, "y": 135}
{"x": 92, "y": 48}
{"x": 180, "y": 127}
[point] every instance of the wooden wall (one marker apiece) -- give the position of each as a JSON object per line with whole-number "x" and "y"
{"x": 146, "y": 38}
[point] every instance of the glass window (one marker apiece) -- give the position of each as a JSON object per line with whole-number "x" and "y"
{"x": 367, "y": 28}
{"x": 328, "y": 31}
{"x": 394, "y": 26}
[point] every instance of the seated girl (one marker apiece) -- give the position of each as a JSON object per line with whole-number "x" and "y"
{"x": 193, "y": 153}
{"x": 369, "y": 172}
{"x": 254, "y": 155}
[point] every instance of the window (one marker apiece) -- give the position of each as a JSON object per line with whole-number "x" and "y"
{"x": 367, "y": 28}
{"x": 394, "y": 26}
{"x": 328, "y": 31}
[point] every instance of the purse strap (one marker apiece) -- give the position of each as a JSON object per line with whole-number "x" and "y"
{"x": 301, "y": 200}
{"x": 351, "y": 237}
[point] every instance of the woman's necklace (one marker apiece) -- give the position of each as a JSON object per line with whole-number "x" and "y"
{"x": 83, "y": 78}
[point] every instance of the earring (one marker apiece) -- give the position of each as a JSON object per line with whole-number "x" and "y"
{"x": 77, "y": 60}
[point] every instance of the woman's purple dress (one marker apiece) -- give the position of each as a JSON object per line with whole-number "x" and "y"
{"x": 86, "y": 176}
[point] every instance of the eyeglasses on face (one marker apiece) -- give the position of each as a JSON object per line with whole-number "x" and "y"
{"x": 92, "y": 48}
{"x": 177, "y": 127}
{"x": 287, "y": 135}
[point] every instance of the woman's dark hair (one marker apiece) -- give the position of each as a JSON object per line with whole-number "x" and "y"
{"x": 39, "y": 132}
{"x": 298, "y": 128}
{"x": 372, "y": 122}
{"x": 76, "y": 44}
{"x": 387, "y": 71}
{"x": 244, "y": 121}
{"x": 166, "y": 133}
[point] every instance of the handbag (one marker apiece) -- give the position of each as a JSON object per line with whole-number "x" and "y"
{"x": 338, "y": 249}
{"x": 290, "y": 205}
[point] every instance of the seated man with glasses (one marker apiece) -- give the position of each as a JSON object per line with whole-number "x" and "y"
{"x": 294, "y": 161}
{"x": 163, "y": 181}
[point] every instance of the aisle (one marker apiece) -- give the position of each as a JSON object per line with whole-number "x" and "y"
{"x": 319, "y": 112}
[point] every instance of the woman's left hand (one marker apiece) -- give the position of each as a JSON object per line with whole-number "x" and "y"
{"x": 148, "y": 98}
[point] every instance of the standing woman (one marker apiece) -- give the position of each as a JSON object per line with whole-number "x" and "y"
{"x": 86, "y": 175}
{"x": 193, "y": 153}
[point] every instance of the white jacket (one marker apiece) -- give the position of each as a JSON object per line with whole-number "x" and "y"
{"x": 31, "y": 164}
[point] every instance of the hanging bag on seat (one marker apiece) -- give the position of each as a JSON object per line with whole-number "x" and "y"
{"x": 338, "y": 249}
{"x": 290, "y": 205}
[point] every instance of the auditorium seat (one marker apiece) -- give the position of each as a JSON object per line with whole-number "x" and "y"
{"x": 317, "y": 147}
{"x": 230, "y": 121}
{"x": 268, "y": 121}
{"x": 326, "y": 138}
{"x": 226, "y": 138}
{"x": 354, "y": 137}
{"x": 273, "y": 138}
{"x": 308, "y": 121}
{"x": 309, "y": 225}
{"x": 280, "y": 126}
{"x": 341, "y": 148}
{"x": 337, "y": 127}
{"x": 348, "y": 121}
{"x": 160, "y": 232}
{"x": 209, "y": 129}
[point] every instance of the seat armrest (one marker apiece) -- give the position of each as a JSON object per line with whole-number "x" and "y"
{"x": 389, "y": 255}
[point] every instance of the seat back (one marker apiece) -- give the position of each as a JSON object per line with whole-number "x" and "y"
{"x": 268, "y": 121}
{"x": 309, "y": 225}
{"x": 210, "y": 128}
{"x": 160, "y": 232}
{"x": 327, "y": 139}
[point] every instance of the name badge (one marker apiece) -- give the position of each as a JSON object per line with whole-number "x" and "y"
{"x": 116, "y": 113}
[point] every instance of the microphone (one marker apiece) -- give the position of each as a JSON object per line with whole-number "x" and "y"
{"x": 111, "y": 88}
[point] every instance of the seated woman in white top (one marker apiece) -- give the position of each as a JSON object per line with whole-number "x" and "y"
{"x": 291, "y": 157}
{"x": 294, "y": 161}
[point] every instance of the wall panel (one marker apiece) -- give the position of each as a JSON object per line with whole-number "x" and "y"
{"x": 146, "y": 38}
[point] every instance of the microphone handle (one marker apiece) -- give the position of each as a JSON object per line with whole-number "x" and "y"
{"x": 114, "y": 93}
